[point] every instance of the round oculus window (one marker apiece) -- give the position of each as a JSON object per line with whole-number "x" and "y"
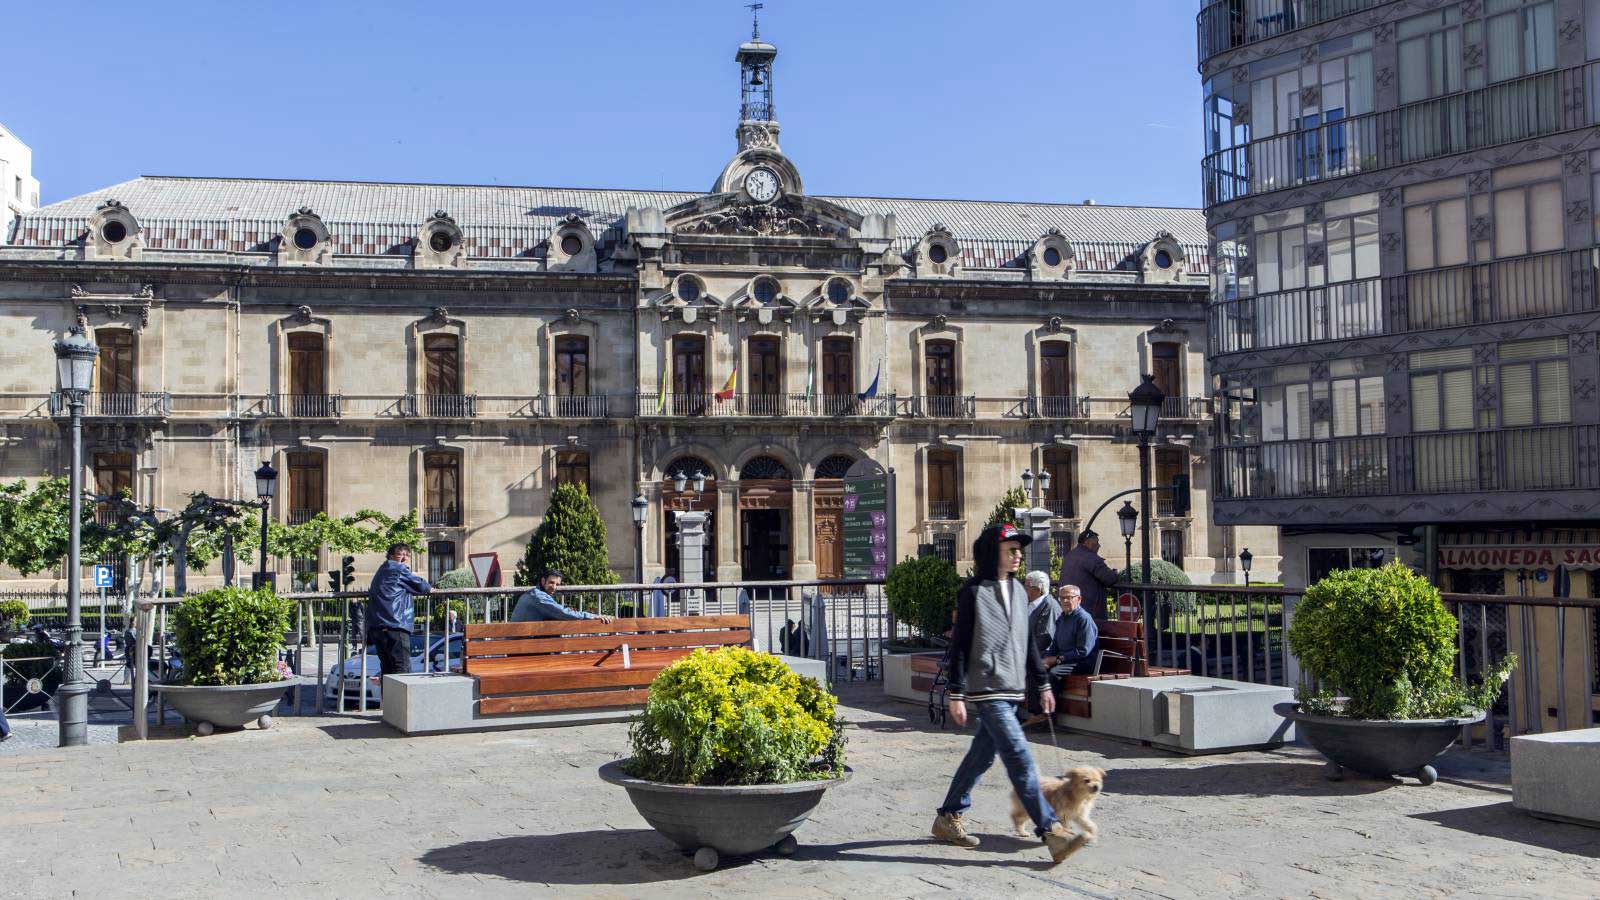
{"x": 1163, "y": 259}
{"x": 114, "y": 232}
{"x": 766, "y": 290}
{"x": 305, "y": 238}
{"x": 572, "y": 245}
{"x": 938, "y": 253}
{"x": 838, "y": 291}
{"x": 441, "y": 241}
{"x": 1052, "y": 256}
{"x": 688, "y": 290}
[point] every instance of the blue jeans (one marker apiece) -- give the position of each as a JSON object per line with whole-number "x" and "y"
{"x": 5, "y": 727}
{"x": 999, "y": 732}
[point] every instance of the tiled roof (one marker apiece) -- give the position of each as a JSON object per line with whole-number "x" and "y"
{"x": 368, "y": 219}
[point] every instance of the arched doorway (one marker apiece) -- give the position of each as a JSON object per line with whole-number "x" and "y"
{"x": 765, "y": 519}
{"x": 672, "y": 501}
{"x": 827, "y": 515}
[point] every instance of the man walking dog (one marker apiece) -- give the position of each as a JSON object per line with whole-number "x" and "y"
{"x": 994, "y": 664}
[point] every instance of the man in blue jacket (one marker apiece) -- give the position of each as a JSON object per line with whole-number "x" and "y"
{"x": 390, "y": 611}
{"x": 1071, "y": 650}
{"x": 539, "y": 604}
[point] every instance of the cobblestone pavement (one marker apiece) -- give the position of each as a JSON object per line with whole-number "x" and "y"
{"x": 347, "y": 808}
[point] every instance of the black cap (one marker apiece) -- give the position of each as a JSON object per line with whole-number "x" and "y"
{"x": 1089, "y": 534}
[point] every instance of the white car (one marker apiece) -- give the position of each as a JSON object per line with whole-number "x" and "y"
{"x": 352, "y": 670}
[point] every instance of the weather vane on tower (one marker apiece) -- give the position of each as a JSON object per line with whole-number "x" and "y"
{"x": 755, "y": 19}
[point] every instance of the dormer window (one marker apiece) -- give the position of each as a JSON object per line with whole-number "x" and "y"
{"x": 441, "y": 241}
{"x": 1163, "y": 259}
{"x": 114, "y": 232}
{"x": 439, "y": 244}
{"x": 305, "y": 238}
{"x": 1052, "y": 256}
{"x": 765, "y": 290}
{"x": 938, "y": 253}
{"x": 572, "y": 245}
{"x": 689, "y": 289}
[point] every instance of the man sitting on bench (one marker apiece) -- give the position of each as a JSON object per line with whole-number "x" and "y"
{"x": 539, "y": 604}
{"x": 1071, "y": 650}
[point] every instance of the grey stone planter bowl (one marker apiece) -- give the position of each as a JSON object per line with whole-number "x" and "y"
{"x": 715, "y": 820}
{"x": 225, "y": 706}
{"x": 1378, "y": 747}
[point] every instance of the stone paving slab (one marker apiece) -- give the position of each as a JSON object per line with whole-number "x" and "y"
{"x": 345, "y": 807}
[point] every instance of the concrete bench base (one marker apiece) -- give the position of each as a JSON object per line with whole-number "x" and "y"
{"x": 1557, "y": 775}
{"x": 1186, "y": 713}
{"x": 440, "y": 704}
{"x": 908, "y": 676}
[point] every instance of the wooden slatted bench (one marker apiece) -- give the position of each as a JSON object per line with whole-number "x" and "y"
{"x": 1122, "y": 655}
{"x": 525, "y": 667}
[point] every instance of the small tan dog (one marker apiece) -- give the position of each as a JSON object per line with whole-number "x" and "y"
{"x": 1072, "y": 797}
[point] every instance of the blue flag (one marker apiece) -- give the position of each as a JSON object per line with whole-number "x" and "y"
{"x": 872, "y": 391}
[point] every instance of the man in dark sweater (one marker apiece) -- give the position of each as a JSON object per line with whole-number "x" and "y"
{"x": 390, "y": 611}
{"x": 993, "y": 665}
{"x": 1085, "y": 569}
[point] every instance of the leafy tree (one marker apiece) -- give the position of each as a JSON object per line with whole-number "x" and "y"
{"x": 191, "y": 538}
{"x": 34, "y": 525}
{"x": 364, "y": 531}
{"x": 922, "y": 593}
{"x": 571, "y": 539}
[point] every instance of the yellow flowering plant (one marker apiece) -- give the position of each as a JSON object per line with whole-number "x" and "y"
{"x": 733, "y": 716}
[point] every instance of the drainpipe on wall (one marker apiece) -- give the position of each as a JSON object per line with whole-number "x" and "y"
{"x": 1430, "y": 553}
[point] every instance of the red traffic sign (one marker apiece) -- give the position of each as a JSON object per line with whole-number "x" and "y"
{"x": 1127, "y": 606}
{"x": 485, "y": 568}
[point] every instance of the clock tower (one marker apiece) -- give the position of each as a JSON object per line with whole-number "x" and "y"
{"x": 759, "y": 171}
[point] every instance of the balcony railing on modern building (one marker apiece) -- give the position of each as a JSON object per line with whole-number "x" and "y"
{"x": 577, "y": 406}
{"x": 1225, "y": 24}
{"x": 1547, "y": 458}
{"x": 1521, "y": 287}
{"x": 442, "y": 406}
{"x": 140, "y": 405}
{"x": 447, "y": 517}
{"x": 307, "y": 406}
{"x": 944, "y": 510}
{"x": 1514, "y": 110}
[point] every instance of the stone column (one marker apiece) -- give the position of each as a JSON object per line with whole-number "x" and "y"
{"x": 726, "y": 522}
{"x": 802, "y": 532}
{"x": 1037, "y": 523}
{"x": 691, "y": 554}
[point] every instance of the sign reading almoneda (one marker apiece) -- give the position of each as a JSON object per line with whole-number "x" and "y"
{"x": 868, "y": 534}
{"x": 1491, "y": 556}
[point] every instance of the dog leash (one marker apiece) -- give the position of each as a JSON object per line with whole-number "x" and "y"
{"x": 1050, "y": 720}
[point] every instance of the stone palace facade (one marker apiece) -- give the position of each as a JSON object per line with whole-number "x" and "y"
{"x": 460, "y": 349}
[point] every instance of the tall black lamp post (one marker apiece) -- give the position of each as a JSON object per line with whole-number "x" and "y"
{"x": 641, "y": 510}
{"x": 75, "y": 361}
{"x": 266, "y": 486}
{"x": 1127, "y": 520}
{"x": 1144, "y": 402}
{"x": 1244, "y": 564}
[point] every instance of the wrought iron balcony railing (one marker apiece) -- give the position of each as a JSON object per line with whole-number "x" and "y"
{"x": 140, "y": 405}
{"x": 1062, "y": 407}
{"x": 1521, "y": 287}
{"x": 577, "y": 406}
{"x": 944, "y": 510}
{"x": 1514, "y": 110}
{"x": 448, "y": 517}
{"x": 1060, "y": 508}
{"x": 765, "y": 405}
{"x": 302, "y": 516}
{"x": 442, "y": 406}
{"x": 942, "y": 406}
{"x": 1547, "y": 458}
{"x": 1225, "y": 24}
{"x": 308, "y": 406}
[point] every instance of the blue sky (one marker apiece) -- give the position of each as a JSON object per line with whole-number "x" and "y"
{"x": 1045, "y": 100}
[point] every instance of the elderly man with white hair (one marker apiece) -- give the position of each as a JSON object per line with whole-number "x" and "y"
{"x": 1042, "y": 615}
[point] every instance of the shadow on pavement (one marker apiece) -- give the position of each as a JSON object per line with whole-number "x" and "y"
{"x": 361, "y": 730}
{"x": 1506, "y": 822}
{"x": 1241, "y": 779}
{"x": 623, "y": 856}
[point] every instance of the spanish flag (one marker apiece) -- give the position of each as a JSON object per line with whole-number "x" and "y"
{"x": 727, "y": 390}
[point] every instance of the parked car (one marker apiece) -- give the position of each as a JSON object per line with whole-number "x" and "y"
{"x": 432, "y": 661}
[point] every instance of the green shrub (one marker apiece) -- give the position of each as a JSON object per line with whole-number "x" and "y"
{"x": 922, "y": 594}
{"x": 231, "y": 635}
{"x": 1162, "y": 572}
{"x": 734, "y": 716}
{"x": 1383, "y": 639}
{"x": 14, "y": 615}
{"x": 456, "y": 579}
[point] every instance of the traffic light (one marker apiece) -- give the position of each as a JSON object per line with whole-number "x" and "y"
{"x": 1180, "y": 494}
{"x": 347, "y": 571}
{"x": 333, "y": 580}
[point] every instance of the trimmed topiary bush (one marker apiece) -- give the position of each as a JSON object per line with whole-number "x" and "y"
{"x": 1161, "y": 572}
{"x": 922, "y": 594}
{"x": 1384, "y": 641}
{"x": 732, "y": 716}
{"x": 456, "y": 579}
{"x": 231, "y": 636}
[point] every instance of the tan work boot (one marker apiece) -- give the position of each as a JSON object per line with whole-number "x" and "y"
{"x": 948, "y": 828}
{"x": 1062, "y": 843}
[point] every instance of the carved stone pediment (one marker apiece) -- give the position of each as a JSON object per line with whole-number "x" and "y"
{"x": 788, "y": 216}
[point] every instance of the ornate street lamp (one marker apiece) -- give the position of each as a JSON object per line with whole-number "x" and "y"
{"x": 266, "y": 486}
{"x": 75, "y": 361}
{"x": 1244, "y": 564}
{"x": 1144, "y": 405}
{"x": 641, "y": 510}
{"x": 1127, "y": 520}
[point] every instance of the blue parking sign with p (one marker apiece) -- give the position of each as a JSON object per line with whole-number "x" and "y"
{"x": 102, "y": 576}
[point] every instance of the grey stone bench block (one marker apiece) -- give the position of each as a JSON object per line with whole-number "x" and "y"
{"x": 438, "y": 704}
{"x": 1557, "y": 775}
{"x": 1187, "y": 713}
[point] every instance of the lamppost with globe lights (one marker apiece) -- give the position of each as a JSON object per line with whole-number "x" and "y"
{"x": 1244, "y": 564}
{"x": 75, "y": 361}
{"x": 1037, "y": 519}
{"x": 266, "y": 486}
{"x": 641, "y": 510}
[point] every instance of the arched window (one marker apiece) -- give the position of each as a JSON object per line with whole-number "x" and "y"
{"x": 764, "y": 468}
{"x": 834, "y": 466}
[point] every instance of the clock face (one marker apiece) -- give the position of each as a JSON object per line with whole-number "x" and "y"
{"x": 761, "y": 184}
